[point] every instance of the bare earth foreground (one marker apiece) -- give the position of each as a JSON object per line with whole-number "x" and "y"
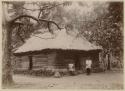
{"x": 104, "y": 80}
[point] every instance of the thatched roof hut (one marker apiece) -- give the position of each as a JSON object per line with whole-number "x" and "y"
{"x": 60, "y": 48}
{"x": 60, "y": 40}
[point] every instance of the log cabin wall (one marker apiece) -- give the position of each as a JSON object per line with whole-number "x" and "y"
{"x": 41, "y": 60}
{"x": 44, "y": 60}
{"x": 59, "y": 59}
{"x": 20, "y": 63}
{"x": 63, "y": 58}
{"x": 78, "y": 58}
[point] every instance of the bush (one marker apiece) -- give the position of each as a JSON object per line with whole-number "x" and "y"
{"x": 34, "y": 72}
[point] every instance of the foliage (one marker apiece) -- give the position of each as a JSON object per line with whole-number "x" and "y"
{"x": 102, "y": 24}
{"x": 109, "y": 31}
{"x": 24, "y": 27}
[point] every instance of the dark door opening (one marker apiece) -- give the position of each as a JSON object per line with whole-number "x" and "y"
{"x": 77, "y": 63}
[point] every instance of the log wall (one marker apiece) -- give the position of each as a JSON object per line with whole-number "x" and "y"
{"x": 58, "y": 60}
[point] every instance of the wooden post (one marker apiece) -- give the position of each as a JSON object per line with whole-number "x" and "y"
{"x": 30, "y": 62}
{"x": 109, "y": 62}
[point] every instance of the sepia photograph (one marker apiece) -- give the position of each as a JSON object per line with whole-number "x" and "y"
{"x": 62, "y": 45}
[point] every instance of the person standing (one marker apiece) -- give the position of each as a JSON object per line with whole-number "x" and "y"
{"x": 88, "y": 66}
{"x": 71, "y": 68}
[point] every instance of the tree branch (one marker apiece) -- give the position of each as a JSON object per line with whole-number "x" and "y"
{"x": 34, "y": 18}
{"x": 49, "y": 28}
{"x": 39, "y": 14}
{"x": 41, "y": 9}
{"x": 51, "y": 22}
{"x": 22, "y": 16}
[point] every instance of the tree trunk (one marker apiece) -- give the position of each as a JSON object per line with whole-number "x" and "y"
{"x": 6, "y": 43}
{"x": 7, "y": 79}
{"x": 6, "y": 49}
{"x": 30, "y": 63}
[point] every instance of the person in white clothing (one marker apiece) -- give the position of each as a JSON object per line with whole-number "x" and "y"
{"x": 71, "y": 68}
{"x": 88, "y": 66}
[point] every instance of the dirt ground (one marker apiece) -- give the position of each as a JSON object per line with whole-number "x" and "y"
{"x": 104, "y": 80}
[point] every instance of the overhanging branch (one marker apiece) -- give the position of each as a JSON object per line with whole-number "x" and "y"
{"x": 48, "y": 21}
{"x": 34, "y": 18}
{"x": 22, "y": 16}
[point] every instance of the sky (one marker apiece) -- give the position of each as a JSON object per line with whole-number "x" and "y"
{"x": 82, "y": 9}
{"x": 85, "y": 10}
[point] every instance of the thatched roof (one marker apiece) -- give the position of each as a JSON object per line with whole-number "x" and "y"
{"x": 61, "y": 40}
